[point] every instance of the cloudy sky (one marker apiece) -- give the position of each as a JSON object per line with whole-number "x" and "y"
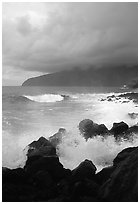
{"x": 39, "y": 38}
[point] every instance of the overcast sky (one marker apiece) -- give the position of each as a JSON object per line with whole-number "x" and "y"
{"x": 40, "y": 38}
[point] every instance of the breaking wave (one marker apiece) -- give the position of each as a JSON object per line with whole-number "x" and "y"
{"x": 46, "y": 98}
{"x": 101, "y": 151}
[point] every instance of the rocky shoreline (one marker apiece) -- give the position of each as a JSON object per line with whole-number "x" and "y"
{"x": 43, "y": 178}
{"x": 123, "y": 98}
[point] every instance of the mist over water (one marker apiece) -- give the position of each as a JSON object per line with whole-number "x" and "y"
{"x": 31, "y": 113}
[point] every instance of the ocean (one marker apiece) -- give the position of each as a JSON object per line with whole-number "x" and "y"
{"x": 31, "y": 112}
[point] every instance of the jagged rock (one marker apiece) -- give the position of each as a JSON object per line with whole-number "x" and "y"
{"x": 12, "y": 192}
{"x": 122, "y": 186}
{"x": 124, "y": 154}
{"x": 102, "y": 99}
{"x": 50, "y": 164}
{"x": 102, "y": 129}
{"x": 109, "y": 99}
{"x": 89, "y": 129}
{"x": 84, "y": 188}
{"x": 57, "y": 138}
{"x": 132, "y": 129}
{"x": 119, "y": 128}
{"x": 85, "y": 127}
{"x": 131, "y": 96}
{"x": 13, "y": 175}
{"x": 41, "y": 147}
{"x": 104, "y": 174}
{"x": 86, "y": 169}
{"x": 42, "y": 179}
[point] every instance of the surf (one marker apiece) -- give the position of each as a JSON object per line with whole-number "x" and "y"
{"x": 45, "y": 98}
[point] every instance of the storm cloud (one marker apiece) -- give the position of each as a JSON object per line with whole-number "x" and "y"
{"x": 48, "y": 37}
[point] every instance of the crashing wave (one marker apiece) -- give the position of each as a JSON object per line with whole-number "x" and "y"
{"x": 46, "y": 98}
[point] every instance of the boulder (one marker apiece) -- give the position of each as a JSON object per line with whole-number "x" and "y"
{"x": 89, "y": 129}
{"x": 122, "y": 186}
{"x": 41, "y": 147}
{"x": 124, "y": 154}
{"x": 84, "y": 189}
{"x": 50, "y": 164}
{"x": 42, "y": 179}
{"x": 102, "y": 129}
{"x": 57, "y": 138}
{"x": 13, "y": 175}
{"x": 119, "y": 128}
{"x": 104, "y": 174}
{"x": 131, "y": 96}
{"x": 86, "y": 169}
{"x": 85, "y": 127}
{"x": 132, "y": 129}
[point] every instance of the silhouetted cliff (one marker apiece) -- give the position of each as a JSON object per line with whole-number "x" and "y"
{"x": 108, "y": 76}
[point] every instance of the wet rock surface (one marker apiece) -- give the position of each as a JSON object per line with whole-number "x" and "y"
{"x": 44, "y": 178}
{"x": 119, "y": 128}
{"x": 90, "y": 129}
{"x": 56, "y": 139}
{"x": 41, "y": 147}
{"x": 122, "y": 186}
{"x": 123, "y": 98}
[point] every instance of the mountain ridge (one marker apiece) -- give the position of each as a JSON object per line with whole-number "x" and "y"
{"x": 116, "y": 76}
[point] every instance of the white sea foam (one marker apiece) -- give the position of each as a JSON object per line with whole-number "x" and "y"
{"x": 45, "y": 98}
{"x": 74, "y": 149}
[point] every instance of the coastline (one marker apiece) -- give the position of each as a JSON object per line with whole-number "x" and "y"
{"x": 43, "y": 178}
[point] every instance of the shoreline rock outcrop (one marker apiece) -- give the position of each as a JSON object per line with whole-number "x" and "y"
{"x": 88, "y": 129}
{"x": 44, "y": 178}
{"x": 128, "y": 96}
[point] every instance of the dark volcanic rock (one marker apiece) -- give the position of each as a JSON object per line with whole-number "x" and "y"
{"x": 50, "y": 164}
{"x": 132, "y": 129}
{"x": 104, "y": 174}
{"x": 102, "y": 129}
{"x": 119, "y": 128}
{"x": 41, "y": 147}
{"x": 130, "y": 95}
{"x": 13, "y": 175}
{"x": 122, "y": 186}
{"x": 42, "y": 179}
{"x": 89, "y": 129}
{"x": 86, "y": 169}
{"x": 85, "y": 188}
{"x": 57, "y": 138}
{"x": 85, "y": 127}
{"x": 124, "y": 154}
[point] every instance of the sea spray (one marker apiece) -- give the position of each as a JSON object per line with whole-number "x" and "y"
{"x": 13, "y": 155}
{"x": 109, "y": 112}
{"x": 25, "y": 121}
{"x": 101, "y": 151}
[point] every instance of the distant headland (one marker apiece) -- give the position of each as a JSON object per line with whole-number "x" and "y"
{"x": 108, "y": 76}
